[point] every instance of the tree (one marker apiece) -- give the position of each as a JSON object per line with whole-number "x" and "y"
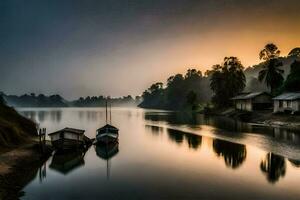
{"x": 271, "y": 73}
{"x": 191, "y": 99}
{"x": 2, "y": 101}
{"x": 292, "y": 82}
{"x": 227, "y": 80}
{"x": 295, "y": 52}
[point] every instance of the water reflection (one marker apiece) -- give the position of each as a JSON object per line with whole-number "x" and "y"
{"x": 273, "y": 166}
{"x": 55, "y": 115}
{"x": 66, "y": 162}
{"x": 144, "y": 163}
{"x": 194, "y": 141}
{"x": 295, "y": 163}
{"x": 175, "y": 117}
{"x": 234, "y": 154}
{"x": 106, "y": 152}
{"x": 155, "y": 130}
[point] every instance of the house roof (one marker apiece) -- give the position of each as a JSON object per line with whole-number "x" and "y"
{"x": 249, "y": 95}
{"x": 70, "y": 130}
{"x": 288, "y": 96}
{"x": 108, "y": 126}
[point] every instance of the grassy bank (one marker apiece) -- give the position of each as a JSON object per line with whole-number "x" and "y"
{"x": 14, "y": 128}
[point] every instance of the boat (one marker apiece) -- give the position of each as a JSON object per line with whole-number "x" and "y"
{"x": 69, "y": 138}
{"x": 108, "y": 133}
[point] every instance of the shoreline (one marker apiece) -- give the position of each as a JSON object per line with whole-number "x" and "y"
{"x": 18, "y": 166}
{"x": 263, "y": 118}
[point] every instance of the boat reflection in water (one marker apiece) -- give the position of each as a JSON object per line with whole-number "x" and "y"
{"x": 106, "y": 152}
{"x": 66, "y": 162}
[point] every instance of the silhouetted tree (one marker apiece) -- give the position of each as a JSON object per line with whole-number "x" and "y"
{"x": 227, "y": 80}
{"x": 271, "y": 74}
{"x": 295, "y": 52}
{"x": 174, "y": 96}
{"x": 273, "y": 166}
{"x": 153, "y": 97}
{"x": 292, "y": 82}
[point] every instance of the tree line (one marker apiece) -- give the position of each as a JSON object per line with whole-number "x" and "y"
{"x": 41, "y": 100}
{"x": 223, "y": 82}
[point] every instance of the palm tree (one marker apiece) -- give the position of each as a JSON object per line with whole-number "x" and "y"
{"x": 271, "y": 73}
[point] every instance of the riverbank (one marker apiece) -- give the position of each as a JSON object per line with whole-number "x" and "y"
{"x": 18, "y": 166}
{"x": 263, "y": 118}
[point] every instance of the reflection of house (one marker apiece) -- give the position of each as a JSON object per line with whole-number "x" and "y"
{"x": 68, "y": 138}
{"x": 67, "y": 162}
{"x": 253, "y": 101}
{"x": 287, "y": 102}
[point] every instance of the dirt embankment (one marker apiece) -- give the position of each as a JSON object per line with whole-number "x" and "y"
{"x": 18, "y": 167}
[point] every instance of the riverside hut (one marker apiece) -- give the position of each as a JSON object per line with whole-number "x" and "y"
{"x": 287, "y": 102}
{"x": 68, "y": 138}
{"x": 253, "y": 101}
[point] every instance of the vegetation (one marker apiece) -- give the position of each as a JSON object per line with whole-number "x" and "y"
{"x": 181, "y": 92}
{"x": 41, "y": 100}
{"x": 194, "y": 91}
{"x": 227, "y": 81}
{"x": 14, "y": 129}
{"x": 101, "y": 101}
{"x": 271, "y": 74}
{"x": 292, "y": 82}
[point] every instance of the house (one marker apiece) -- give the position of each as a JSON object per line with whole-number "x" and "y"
{"x": 253, "y": 101}
{"x": 68, "y": 138}
{"x": 287, "y": 102}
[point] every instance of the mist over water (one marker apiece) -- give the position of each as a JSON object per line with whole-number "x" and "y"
{"x": 168, "y": 155}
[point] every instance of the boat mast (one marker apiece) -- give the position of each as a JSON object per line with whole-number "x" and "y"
{"x": 110, "y": 112}
{"x": 106, "y": 110}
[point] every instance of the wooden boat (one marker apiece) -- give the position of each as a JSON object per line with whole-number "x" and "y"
{"x": 108, "y": 133}
{"x": 68, "y": 138}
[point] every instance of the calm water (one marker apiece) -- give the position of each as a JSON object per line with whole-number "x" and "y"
{"x": 164, "y": 155}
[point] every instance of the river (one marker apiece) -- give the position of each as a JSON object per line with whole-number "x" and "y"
{"x": 167, "y": 155}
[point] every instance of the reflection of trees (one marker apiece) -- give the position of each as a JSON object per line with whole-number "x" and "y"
{"x": 295, "y": 163}
{"x": 175, "y": 135}
{"x": 194, "y": 141}
{"x": 41, "y": 116}
{"x": 175, "y": 118}
{"x": 273, "y": 166}
{"x": 55, "y": 115}
{"x": 155, "y": 130}
{"x": 234, "y": 154}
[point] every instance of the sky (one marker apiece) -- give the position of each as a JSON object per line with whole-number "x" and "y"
{"x": 120, "y": 47}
